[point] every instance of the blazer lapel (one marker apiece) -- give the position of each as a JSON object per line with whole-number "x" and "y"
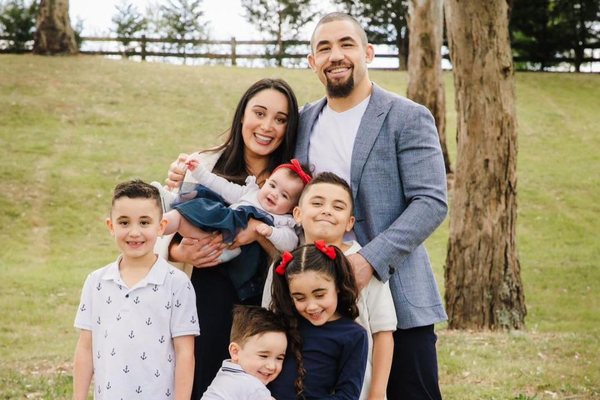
{"x": 308, "y": 117}
{"x": 368, "y": 130}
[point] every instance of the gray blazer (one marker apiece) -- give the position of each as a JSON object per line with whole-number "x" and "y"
{"x": 399, "y": 186}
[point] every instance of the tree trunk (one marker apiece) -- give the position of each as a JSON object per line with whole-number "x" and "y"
{"x": 482, "y": 272}
{"x": 53, "y": 32}
{"x": 425, "y": 79}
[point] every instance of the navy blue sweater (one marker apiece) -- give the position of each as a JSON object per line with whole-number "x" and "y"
{"x": 335, "y": 358}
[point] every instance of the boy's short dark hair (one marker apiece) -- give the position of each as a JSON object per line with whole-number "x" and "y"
{"x": 249, "y": 321}
{"x": 137, "y": 189}
{"x": 332, "y": 179}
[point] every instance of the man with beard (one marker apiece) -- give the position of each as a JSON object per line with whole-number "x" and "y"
{"x": 387, "y": 147}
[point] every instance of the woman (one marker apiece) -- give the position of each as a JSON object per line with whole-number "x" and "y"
{"x": 262, "y": 136}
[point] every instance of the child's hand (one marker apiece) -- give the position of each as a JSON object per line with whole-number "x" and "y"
{"x": 264, "y": 230}
{"x": 192, "y": 163}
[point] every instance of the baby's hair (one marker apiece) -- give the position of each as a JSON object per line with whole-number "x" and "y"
{"x": 332, "y": 179}
{"x": 309, "y": 258}
{"x": 137, "y": 189}
{"x": 249, "y": 321}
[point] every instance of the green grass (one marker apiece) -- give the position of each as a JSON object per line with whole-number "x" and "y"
{"x": 71, "y": 128}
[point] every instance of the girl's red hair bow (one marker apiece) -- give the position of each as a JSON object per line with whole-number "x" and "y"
{"x": 285, "y": 259}
{"x": 329, "y": 251}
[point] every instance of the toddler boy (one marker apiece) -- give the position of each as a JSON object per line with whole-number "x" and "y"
{"x": 257, "y": 349}
{"x": 138, "y": 314}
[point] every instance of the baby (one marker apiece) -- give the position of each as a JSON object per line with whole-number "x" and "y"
{"x": 257, "y": 349}
{"x": 208, "y": 208}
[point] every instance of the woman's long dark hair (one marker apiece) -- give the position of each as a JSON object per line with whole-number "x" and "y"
{"x": 232, "y": 164}
{"x": 310, "y": 258}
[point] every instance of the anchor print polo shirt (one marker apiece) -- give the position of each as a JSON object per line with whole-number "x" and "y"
{"x": 132, "y": 329}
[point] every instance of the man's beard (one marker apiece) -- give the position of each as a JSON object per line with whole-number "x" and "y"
{"x": 340, "y": 90}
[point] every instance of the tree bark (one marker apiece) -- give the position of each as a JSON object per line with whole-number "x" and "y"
{"x": 53, "y": 32}
{"x": 482, "y": 272}
{"x": 425, "y": 78}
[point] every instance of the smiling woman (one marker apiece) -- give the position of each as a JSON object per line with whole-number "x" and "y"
{"x": 261, "y": 137}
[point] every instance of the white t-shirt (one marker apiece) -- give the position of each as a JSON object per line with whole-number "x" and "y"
{"x": 332, "y": 139}
{"x": 133, "y": 329}
{"x": 376, "y": 313}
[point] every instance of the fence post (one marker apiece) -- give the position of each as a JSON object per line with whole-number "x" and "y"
{"x": 143, "y": 47}
{"x": 233, "y": 54}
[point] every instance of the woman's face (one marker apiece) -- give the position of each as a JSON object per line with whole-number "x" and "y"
{"x": 264, "y": 123}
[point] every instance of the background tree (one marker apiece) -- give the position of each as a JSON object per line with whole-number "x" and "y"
{"x": 181, "y": 20}
{"x": 17, "y": 23}
{"x": 542, "y": 30}
{"x": 425, "y": 78}
{"x": 534, "y": 34}
{"x": 482, "y": 271}
{"x": 384, "y": 20}
{"x": 129, "y": 24}
{"x": 580, "y": 20}
{"x": 280, "y": 19}
{"x": 53, "y": 31}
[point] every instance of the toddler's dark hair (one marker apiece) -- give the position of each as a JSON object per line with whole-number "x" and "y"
{"x": 249, "y": 321}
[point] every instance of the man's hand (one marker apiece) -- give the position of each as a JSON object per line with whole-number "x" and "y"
{"x": 176, "y": 172}
{"x": 264, "y": 230}
{"x": 363, "y": 271}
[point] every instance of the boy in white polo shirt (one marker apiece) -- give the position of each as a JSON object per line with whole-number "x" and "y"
{"x": 258, "y": 343}
{"x": 137, "y": 315}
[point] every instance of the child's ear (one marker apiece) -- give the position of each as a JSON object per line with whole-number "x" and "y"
{"x": 110, "y": 226}
{"x": 297, "y": 214}
{"x": 162, "y": 226}
{"x": 350, "y": 224}
{"x": 234, "y": 351}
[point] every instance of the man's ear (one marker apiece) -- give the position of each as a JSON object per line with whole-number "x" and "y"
{"x": 110, "y": 226}
{"x": 297, "y": 214}
{"x": 350, "y": 223}
{"x": 370, "y": 53}
{"x": 234, "y": 351}
{"x": 311, "y": 62}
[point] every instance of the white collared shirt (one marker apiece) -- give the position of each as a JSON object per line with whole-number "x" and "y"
{"x": 132, "y": 329}
{"x": 233, "y": 383}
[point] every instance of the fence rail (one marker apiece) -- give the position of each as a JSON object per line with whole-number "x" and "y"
{"x": 143, "y": 47}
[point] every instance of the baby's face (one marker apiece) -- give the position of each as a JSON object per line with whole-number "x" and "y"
{"x": 280, "y": 193}
{"x": 262, "y": 355}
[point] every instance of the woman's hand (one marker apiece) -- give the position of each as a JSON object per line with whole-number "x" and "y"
{"x": 176, "y": 172}
{"x": 201, "y": 253}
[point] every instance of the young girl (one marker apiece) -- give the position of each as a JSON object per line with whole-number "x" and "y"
{"x": 205, "y": 207}
{"x": 315, "y": 291}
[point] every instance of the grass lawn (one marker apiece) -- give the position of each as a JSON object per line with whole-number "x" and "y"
{"x": 72, "y": 128}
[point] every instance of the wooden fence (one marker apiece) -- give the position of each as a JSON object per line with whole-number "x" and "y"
{"x": 145, "y": 47}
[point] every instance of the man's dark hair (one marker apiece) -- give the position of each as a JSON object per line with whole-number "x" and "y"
{"x": 339, "y": 16}
{"x": 137, "y": 189}
{"x": 249, "y": 321}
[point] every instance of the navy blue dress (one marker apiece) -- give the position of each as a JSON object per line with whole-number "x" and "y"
{"x": 335, "y": 358}
{"x": 209, "y": 212}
